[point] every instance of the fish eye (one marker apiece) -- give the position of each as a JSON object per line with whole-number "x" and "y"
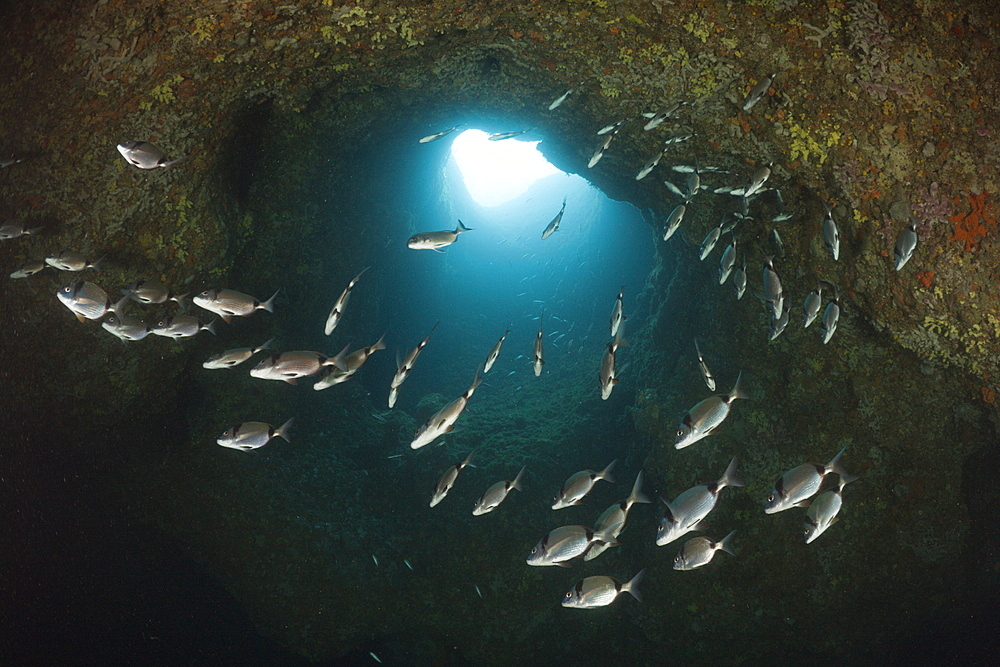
{"x": 680, "y": 432}
{"x": 569, "y": 594}
{"x": 770, "y": 498}
{"x": 534, "y": 550}
{"x": 677, "y": 559}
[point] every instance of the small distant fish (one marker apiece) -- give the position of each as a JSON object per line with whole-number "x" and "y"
{"x": 553, "y": 226}
{"x": 10, "y": 161}
{"x": 614, "y": 127}
{"x": 568, "y": 542}
{"x": 290, "y": 366}
{"x": 579, "y": 485}
{"x": 67, "y": 260}
{"x": 656, "y": 118}
{"x": 436, "y": 240}
{"x": 562, "y": 98}
{"x": 500, "y": 136}
{"x": 679, "y": 138}
{"x": 86, "y": 300}
{"x": 608, "y": 377}
{"x": 252, "y": 435}
{"x": 29, "y": 268}
{"x": 688, "y": 511}
{"x": 710, "y": 240}
{"x": 13, "y": 230}
{"x": 616, "y": 515}
{"x": 776, "y": 244}
{"x": 227, "y": 303}
{"x": 778, "y": 324}
{"x": 705, "y": 373}
{"x": 182, "y": 326}
{"x": 494, "y": 353}
{"x": 831, "y": 236}
{"x": 649, "y": 166}
{"x": 376, "y": 565}
{"x": 348, "y": 364}
{"x": 757, "y": 92}
{"x": 674, "y": 221}
{"x": 727, "y": 262}
{"x": 512, "y": 372}
{"x": 600, "y": 591}
{"x": 496, "y": 494}
{"x": 773, "y": 293}
{"x": 405, "y": 367}
{"x": 407, "y": 564}
{"x": 448, "y": 479}
{"x": 337, "y": 312}
{"x": 537, "y": 357}
{"x": 372, "y": 653}
{"x": 444, "y": 420}
{"x": 599, "y": 153}
{"x": 740, "y": 280}
{"x": 437, "y": 135}
{"x": 698, "y": 551}
{"x": 706, "y": 416}
{"x": 148, "y": 292}
{"x": 831, "y": 317}
{"x": 616, "y": 313}
{"x": 811, "y": 306}
{"x": 906, "y": 244}
{"x": 478, "y": 592}
{"x": 145, "y": 155}
{"x": 803, "y": 482}
{"x": 232, "y": 358}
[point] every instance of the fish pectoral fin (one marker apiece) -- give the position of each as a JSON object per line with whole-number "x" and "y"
{"x": 803, "y": 503}
{"x": 563, "y": 563}
{"x": 291, "y": 380}
{"x": 438, "y": 250}
{"x": 226, "y": 318}
{"x": 700, "y": 527}
{"x": 80, "y": 317}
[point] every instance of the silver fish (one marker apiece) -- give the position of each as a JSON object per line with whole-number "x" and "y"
{"x": 29, "y": 268}
{"x": 346, "y": 365}
{"x": 537, "y": 359}
{"x": 568, "y": 542}
{"x": 822, "y": 512}
{"x": 778, "y": 324}
{"x": 699, "y": 551}
{"x": 182, "y": 326}
{"x": 656, "y": 118}
{"x": 831, "y": 236}
{"x": 740, "y": 280}
{"x": 773, "y": 293}
{"x": 553, "y": 226}
{"x": 811, "y": 306}
{"x": 705, "y": 373}
{"x": 727, "y": 262}
{"x": 231, "y": 358}
{"x": 600, "y": 591}
{"x": 608, "y": 376}
{"x": 803, "y": 482}
{"x": 688, "y": 511}
{"x": 562, "y": 98}
{"x": 405, "y": 367}
{"x": 614, "y": 127}
{"x": 10, "y": 161}
{"x": 693, "y": 183}
{"x": 253, "y": 435}
{"x": 500, "y": 136}
{"x": 149, "y": 291}
{"x": 760, "y": 176}
{"x": 496, "y": 494}
{"x": 757, "y": 92}
{"x": 579, "y": 485}
{"x": 616, "y": 515}
{"x": 337, "y": 312}
{"x": 444, "y": 420}
{"x": 679, "y": 137}
{"x": 145, "y": 155}
{"x": 227, "y": 303}
{"x": 831, "y": 317}
{"x": 599, "y": 153}
{"x": 710, "y": 240}
{"x": 674, "y": 221}
{"x": 676, "y": 191}
{"x": 13, "y": 230}
{"x": 436, "y": 240}
{"x": 448, "y": 479}
{"x": 437, "y": 135}
{"x": 616, "y": 313}
{"x": 67, "y": 260}
{"x": 706, "y": 416}
{"x": 776, "y": 244}
{"x": 124, "y": 327}
{"x": 86, "y": 300}
{"x": 494, "y": 353}
{"x": 290, "y": 366}
{"x": 329, "y": 376}
{"x": 906, "y": 244}
{"x": 649, "y": 166}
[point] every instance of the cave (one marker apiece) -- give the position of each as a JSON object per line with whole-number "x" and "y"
{"x": 131, "y": 535}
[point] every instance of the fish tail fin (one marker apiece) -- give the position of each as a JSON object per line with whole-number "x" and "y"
{"x": 726, "y": 544}
{"x": 468, "y": 460}
{"x": 379, "y": 344}
{"x": 835, "y": 466}
{"x": 516, "y": 484}
{"x": 637, "y": 496}
{"x": 338, "y": 360}
{"x": 632, "y": 587}
{"x": 173, "y": 163}
{"x": 282, "y": 431}
{"x": 476, "y": 381}
{"x": 181, "y": 301}
{"x": 462, "y": 228}
{"x": 96, "y": 266}
{"x": 118, "y": 306}
{"x": 31, "y": 231}
{"x": 210, "y": 327}
{"x": 607, "y": 535}
{"x": 266, "y": 345}
{"x": 620, "y": 340}
{"x": 269, "y": 304}
{"x": 606, "y": 473}
{"x": 729, "y": 478}
{"x": 399, "y": 361}
{"x": 845, "y": 480}
{"x": 738, "y": 391}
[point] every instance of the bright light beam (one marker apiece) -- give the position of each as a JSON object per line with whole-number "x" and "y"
{"x": 496, "y": 172}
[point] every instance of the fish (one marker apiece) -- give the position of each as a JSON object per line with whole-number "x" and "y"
{"x": 235, "y": 357}
{"x": 145, "y": 155}
{"x": 674, "y": 221}
{"x": 704, "y": 169}
{"x": 150, "y": 292}
{"x": 372, "y": 653}
{"x": 693, "y": 183}
{"x": 444, "y": 420}
{"x": 676, "y": 191}
{"x": 436, "y": 240}
{"x": 536, "y": 357}
{"x": 290, "y": 366}
{"x": 600, "y": 591}
{"x": 616, "y": 313}
{"x": 124, "y": 327}
{"x": 831, "y": 236}
{"x": 616, "y": 515}
{"x": 405, "y": 367}
{"x": 562, "y": 98}
{"x": 802, "y": 483}
{"x": 680, "y": 137}
{"x": 776, "y": 244}
{"x": 698, "y": 551}
{"x": 822, "y": 512}
{"x": 599, "y": 153}
{"x": 906, "y": 244}
{"x": 568, "y": 542}
{"x": 579, "y": 485}
{"x": 253, "y": 435}
{"x": 757, "y": 92}
{"x": 448, "y": 479}
{"x": 705, "y": 373}
{"x": 10, "y": 161}
{"x": 778, "y": 324}
{"x": 710, "y": 240}
{"x": 86, "y": 300}
{"x": 740, "y": 280}
{"x": 29, "y": 268}
{"x": 656, "y": 118}
{"x": 810, "y": 307}
{"x": 773, "y": 293}
{"x": 613, "y": 127}
{"x": 500, "y": 136}
{"x": 688, "y": 511}
{"x": 337, "y": 312}
{"x": 478, "y": 592}
{"x": 67, "y": 260}
{"x": 376, "y": 565}
{"x": 553, "y": 226}
{"x": 346, "y": 365}
{"x": 706, "y": 416}
{"x": 182, "y": 326}
{"x": 494, "y": 353}
{"x": 437, "y": 135}
{"x": 760, "y": 176}
{"x": 727, "y": 262}
{"x": 608, "y": 377}
{"x": 408, "y": 565}
{"x": 13, "y": 230}
{"x": 227, "y": 303}
{"x": 831, "y": 317}
{"x": 649, "y": 166}
{"x": 496, "y": 494}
